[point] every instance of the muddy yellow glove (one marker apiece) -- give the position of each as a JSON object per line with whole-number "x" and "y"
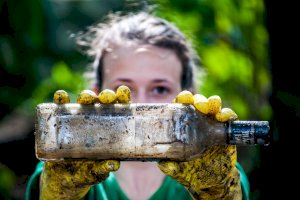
{"x": 73, "y": 179}
{"x": 213, "y": 175}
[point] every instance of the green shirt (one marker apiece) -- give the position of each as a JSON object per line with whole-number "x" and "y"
{"x": 110, "y": 189}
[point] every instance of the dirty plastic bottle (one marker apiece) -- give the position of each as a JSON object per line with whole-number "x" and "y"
{"x": 136, "y": 132}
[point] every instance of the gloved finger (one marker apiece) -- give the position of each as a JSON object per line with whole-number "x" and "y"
{"x": 107, "y": 166}
{"x": 92, "y": 172}
{"x": 107, "y": 96}
{"x": 226, "y": 114}
{"x": 201, "y": 103}
{"x": 61, "y": 97}
{"x": 123, "y": 94}
{"x": 214, "y": 105}
{"x": 87, "y": 97}
{"x": 80, "y": 172}
{"x": 184, "y": 97}
{"x": 170, "y": 168}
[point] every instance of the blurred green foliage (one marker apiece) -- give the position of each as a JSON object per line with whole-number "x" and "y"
{"x": 232, "y": 41}
{"x": 7, "y": 181}
{"x": 61, "y": 77}
{"x": 39, "y": 56}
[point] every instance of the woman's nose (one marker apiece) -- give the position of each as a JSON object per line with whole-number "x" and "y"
{"x": 139, "y": 97}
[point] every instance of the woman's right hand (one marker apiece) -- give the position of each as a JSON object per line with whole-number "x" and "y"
{"x": 72, "y": 179}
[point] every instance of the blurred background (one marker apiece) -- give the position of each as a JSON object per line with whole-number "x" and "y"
{"x": 233, "y": 38}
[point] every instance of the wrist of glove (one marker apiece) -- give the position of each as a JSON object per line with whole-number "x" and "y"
{"x": 213, "y": 175}
{"x": 72, "y": 179}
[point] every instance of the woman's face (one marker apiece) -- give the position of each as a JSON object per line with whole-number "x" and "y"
{"x": 153, "y": 74}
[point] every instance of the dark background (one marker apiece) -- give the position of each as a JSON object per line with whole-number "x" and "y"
{"x": 280, "y": 168}
{"x": 248, "y": 50}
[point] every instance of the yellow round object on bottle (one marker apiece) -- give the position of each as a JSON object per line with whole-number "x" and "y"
{"x": 61, "y": 97}
{"x": 123, "y": 94}
{"x": 201, "y": 103}
{"x": 87, "y": 97}
{"x": 214, "y": 105}
{"x": 107, "y": 96}
{"x": 225, "y": 115}
{"x": 185, "y": 97}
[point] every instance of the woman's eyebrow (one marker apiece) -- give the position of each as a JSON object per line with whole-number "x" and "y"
{"x": 160, "y": 80}
{"x": 124, "y": 80}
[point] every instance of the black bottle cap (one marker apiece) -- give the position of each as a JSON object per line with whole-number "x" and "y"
{"x": 248, "y": 132}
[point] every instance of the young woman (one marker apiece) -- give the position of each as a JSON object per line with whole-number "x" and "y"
{"x": 154, "y": 60}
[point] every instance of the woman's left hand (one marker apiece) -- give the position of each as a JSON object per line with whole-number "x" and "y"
{"x": 213, "y": 175}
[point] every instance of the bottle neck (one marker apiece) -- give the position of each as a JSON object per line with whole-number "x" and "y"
{"x": 248, "y": 132}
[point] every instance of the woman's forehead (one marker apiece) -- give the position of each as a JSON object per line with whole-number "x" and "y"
{"x": 141, "y": 61}
{"x": 130, "y": 48}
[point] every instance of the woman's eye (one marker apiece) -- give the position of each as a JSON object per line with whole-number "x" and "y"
{"x": 161, "y": 90}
